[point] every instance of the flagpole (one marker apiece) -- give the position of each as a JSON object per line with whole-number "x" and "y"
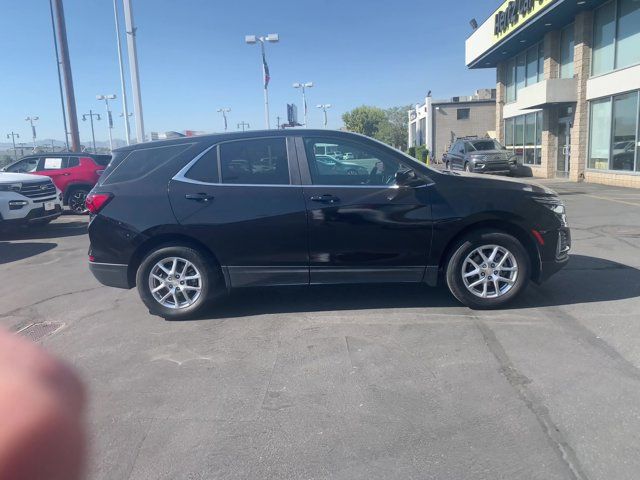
{"x": 266, "y": 84}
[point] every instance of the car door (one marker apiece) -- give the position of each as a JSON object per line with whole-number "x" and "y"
{"x": 364, "y": 227}
{"x": 458, "y": 152}
{"x": 243, "y": 199}
{"x": 56, "y": 168}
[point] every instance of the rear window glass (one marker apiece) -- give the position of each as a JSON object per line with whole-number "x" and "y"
{"x": 255, "y": 162}
{"x": 141, "y": 162}
{"x": 206, "y": 168}
{"x": 102, "y": 159}
{"x": 73, "y": 162}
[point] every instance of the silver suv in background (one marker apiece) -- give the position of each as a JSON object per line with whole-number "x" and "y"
{"x": 476, "y": 155}
{"x": 28, "y": 199}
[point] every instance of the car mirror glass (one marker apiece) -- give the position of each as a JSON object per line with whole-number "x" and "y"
{"x": 408, "y": 178}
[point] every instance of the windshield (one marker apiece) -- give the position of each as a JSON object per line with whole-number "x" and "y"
{"x": 482, "y": 145}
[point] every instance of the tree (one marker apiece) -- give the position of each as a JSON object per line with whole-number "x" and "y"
{"x": 394, "y": 130}
{"x": 389, "y": 126}
{"x": 365, "y": 120}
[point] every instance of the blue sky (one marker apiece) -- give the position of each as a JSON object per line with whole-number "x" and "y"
{"x": 193, "y": 59}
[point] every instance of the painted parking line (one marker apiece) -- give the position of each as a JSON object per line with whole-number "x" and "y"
{"x": 612, "y": 199}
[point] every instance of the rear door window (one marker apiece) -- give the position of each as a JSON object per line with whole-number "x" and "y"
{"x": 206, "y": 168}
{"x": 141, "y": 162}
{"x": 53, "y": 163}
{"x": 260, "y": 161}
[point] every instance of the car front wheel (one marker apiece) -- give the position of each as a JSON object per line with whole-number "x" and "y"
{"x": 177, "y": 282}
{"x": 487, "y": 269}
{"x": 77, "y": 200}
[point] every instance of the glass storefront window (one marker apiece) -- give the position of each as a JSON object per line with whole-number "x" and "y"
{"x": 600, "y": 134}
{"x": 538, "y": 155}
{"x": 566, "y": 52}
{"x": 604, "y": 33}
{"x": 508, "y": 132}
{"x": 521, "y": 70}
{"x": 540, "y": 61}
{"x": 625, "y": 127}
{"x": 532, "y": 65}
{"x": 529, "y": 138}
{"x": 628, "y": 37}
{"x": 518, "y": 136}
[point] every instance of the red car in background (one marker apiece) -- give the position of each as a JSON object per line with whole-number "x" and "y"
{"x": 74, "y": 174}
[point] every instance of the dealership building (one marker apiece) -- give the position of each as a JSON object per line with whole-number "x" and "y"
{"x": 567, "y": 85}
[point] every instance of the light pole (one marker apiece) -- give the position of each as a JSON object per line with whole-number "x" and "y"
{"x": 106, "y": 99}
{"x": 130, "y": 30}
{"x": 91, "y": 114}
{"x": 55, "y": 45}
{"x": 324, "y": 107}
{"x": 304, "y": 86}
{"x": 273, "y": 38}
{"x": 13, "y": 137}
{"x": 123, "y": 87}
{"x": 33, "y": 129}
{"x": 243, "y": 124}
{"x": 224, "y": 112}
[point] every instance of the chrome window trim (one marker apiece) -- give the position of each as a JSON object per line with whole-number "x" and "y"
{"x": 181, "y": 175}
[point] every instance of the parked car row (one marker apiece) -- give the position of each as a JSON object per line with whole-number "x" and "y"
{"x": 34, "y": 189}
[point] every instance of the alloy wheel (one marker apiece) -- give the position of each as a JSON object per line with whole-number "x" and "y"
{"x": 77, "y": 202}
{"x": 175, "y": 283}
{"x": 489, "y": 271}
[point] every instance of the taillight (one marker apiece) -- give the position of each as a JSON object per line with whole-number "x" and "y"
{"x": 96, "y": 201}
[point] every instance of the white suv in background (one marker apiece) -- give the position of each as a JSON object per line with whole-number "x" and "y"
{"x": 28, "y": 199}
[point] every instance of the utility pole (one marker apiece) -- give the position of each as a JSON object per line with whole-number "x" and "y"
{"x": 242, "y": 124}
{"x": 33, "y": 129}
{"x": 106, "y": 99}
{"x": 304, "y": 86}
{"x": 123, "y": 86}
{"x": 93, "y": 134}
{"x": 68, "y": 79}
{"x": 273, "y": 38}
{"x": 13, "y": 137}
{"x": 324, "y": 107}
{"x": 130, "y": 30}
{"x": 55, "y": 44}
{"x": 224, "y": 112}
{"x": 278, "y": 120}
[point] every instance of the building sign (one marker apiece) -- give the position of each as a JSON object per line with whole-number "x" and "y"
{"x": 515, "y": 13}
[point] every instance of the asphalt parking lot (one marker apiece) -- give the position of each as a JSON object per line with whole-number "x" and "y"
{"x": 375, "y": 382}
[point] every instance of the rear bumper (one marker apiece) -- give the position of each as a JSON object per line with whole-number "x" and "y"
{"x": 111, "y": 275}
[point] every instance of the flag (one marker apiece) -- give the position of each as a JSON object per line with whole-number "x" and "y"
{"x": 265, "y": 68}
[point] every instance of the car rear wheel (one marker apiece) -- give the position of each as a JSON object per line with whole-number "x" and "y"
{"x": 177, "y": 282}
{"x": 487, "y": 269}
{"x": 77, "y": 200}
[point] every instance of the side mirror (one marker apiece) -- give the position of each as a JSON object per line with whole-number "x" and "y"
{"x": 408, "y": 178}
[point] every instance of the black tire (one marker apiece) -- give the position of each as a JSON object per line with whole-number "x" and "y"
{"x": 212, "y": 283}
{"x": 454, "y": 268}
{"x": 76, "y": 200}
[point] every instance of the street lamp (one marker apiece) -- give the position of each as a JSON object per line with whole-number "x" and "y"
{"x": 304, "y": 86}
{"x": 324, "y": 107}
{"x": 33, "y": 129}
{"x": 91, "y": 114}
{"x": 123, "y": 87}
{"x": 224, "y": 112}
{"x": 13, "y": 137}
{"x": 252, "y": 39}
{"x": 106, "y": 99}
{"x": 244, "y": 125}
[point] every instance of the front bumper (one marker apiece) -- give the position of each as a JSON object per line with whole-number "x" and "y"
{"x": 556, "y": 255}
{"x": 35, "y": 216}
{"x": 111, "y": 275}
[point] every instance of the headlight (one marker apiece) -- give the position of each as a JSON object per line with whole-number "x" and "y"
{"x": 554, "y": 204}
{"x": 10, "y": 187}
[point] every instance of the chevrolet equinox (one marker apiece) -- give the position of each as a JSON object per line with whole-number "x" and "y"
{"x": 186, "y": 220}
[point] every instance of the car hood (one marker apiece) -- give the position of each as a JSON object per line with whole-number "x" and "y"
{"x": 9, "y": 177}
{"x": 475, "y": 180}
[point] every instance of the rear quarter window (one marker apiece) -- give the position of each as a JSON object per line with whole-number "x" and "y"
{"x": 127, "y": 166}
{"x": 102, "y": 159}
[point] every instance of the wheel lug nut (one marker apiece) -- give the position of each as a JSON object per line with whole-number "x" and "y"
{"x": 490, "y": 278}
{"x": 493, "y": 265}
{"x": 484, "y": 266}
{"x": 495, "y": 272}
{"x": 182, "y": 282}
{"x": 482, "y": 274}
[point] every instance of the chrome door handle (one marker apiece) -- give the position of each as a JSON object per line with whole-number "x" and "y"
{"x": 325, "y": 198}
{"x": 199, "y": 197}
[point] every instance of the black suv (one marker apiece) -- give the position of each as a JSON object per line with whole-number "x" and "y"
{"x": 480, "y": 156}
{"x": 188, "y": 219}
